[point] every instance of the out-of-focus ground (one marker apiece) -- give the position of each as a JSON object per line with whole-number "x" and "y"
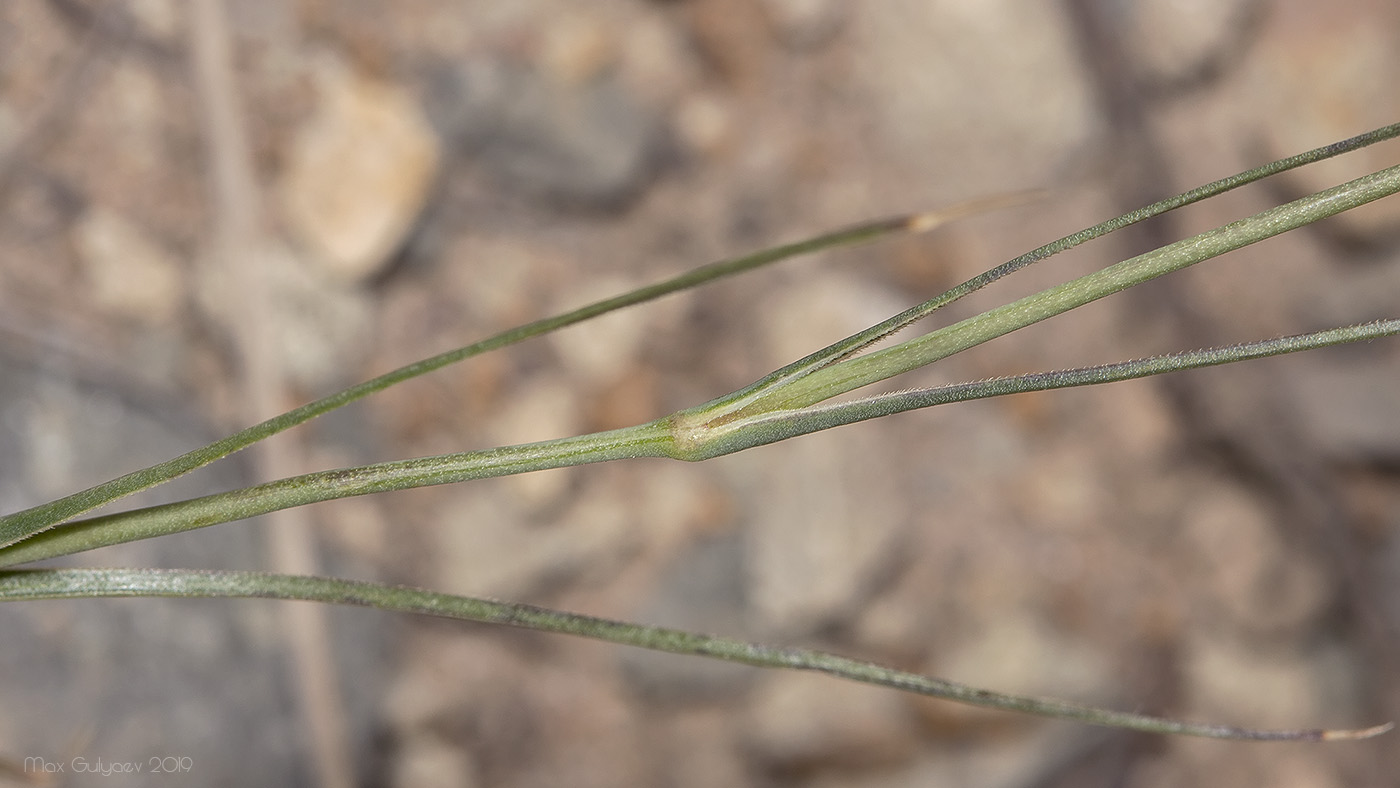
{"x": 1221, "y": 545}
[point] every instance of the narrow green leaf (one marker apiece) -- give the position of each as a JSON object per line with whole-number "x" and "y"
{"x": 783, "y": 424}
{"x": 820, "y": 384}
{"x": 87, "y": 583}
{"x": 646, "y": 440}
{"x": 22, "y": 524}
{"x": 742, "y": 399}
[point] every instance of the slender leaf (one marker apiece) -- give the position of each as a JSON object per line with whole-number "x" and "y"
{"x": 22, "y": 524}
{"x": 185, "y": 583}
{"x": 847, "y": 347}
{"x": 716, "y": 428}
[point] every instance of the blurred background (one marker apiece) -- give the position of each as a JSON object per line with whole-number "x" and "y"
{"x": 211, "y": 214}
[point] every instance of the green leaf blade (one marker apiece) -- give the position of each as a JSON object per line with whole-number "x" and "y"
{"x": 91, "y": 583}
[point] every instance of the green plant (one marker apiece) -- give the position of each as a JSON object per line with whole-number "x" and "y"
{"x": 791, "y": 401}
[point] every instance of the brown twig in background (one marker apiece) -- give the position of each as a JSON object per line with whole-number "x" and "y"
{"x": 238, "y": 247}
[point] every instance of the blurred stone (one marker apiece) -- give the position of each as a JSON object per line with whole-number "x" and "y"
{"x": 701, "y": 752}
{"x": 732, "y": 40}
{"x": 1001, "y": 762}
{"x": 1015, "y": 653}
{"x": 549, "y": 718}
{"x": 138, "y": 131}
{"x": 1353, "y": 294}
{"x": 427, "y": 762}
{"x": 601, "y": 350}
{"x": 1349, "y": 409}
{"x": 803, "y": 721}
{"x": 1330, "y": 71}
{"x": 990, "y": 94}
{"x": 704, "y": 122}
{"x": 359, "y": 172}
{"x": 546, "y": 408}
{"x": 701, "y": 590}
{"x": 806, "y": 23}
{"x": 656, "y": 60}
{"x": 10, "y": 128}
{"x": 1190, "y": 761}
{"x": 588, "y": 143}
{"x": 498, "y": 281}
{"x": 823, "y": 525}
{"x": 128, "y": 271}
{"x": 1061, "y": 492}
{"x": 158, "y": 17}
{"x": 356, "y": 525}
{"x": 448, "y": 674}
{"x": 323, "y": 327}
{"x": 1173, "y": 39}
{"x": 1246, "y": 570}
{"x": 587, "y": 734}
{"x": 577, "y": 48}
{"x": 1232, "y": 683}
{"x": 274, "y": 27}
{"x": 805, "y": 314}
{"x": 488, "y": 547}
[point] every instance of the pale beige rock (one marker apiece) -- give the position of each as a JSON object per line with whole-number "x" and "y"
{"x": 129, "y": 272}
{"x": 1326, "y": 74}
{"x": 359, "y": 172}
{"x": 1003, "y": 762}
{"x": 806, "y": 23}
{"x": 323, "y": 328}
{"x": 701, "y": 751}
{"x": 546, "y": 408}
{"x": 1246, "y": 569}
{"x": 656, "y": 61}
{"x": 577, "y": 47}
{"x": 447, "y": 674}
{"x": 589, "y": 736}
{"x": 1062, "y": 491}
{"x": 136, "y": 127}
{"x": 1348, "y": 407}
{"x": 1016, "y": 653}
{"x": 601, "y": 350}
{"x": 1189, "y": 761}
{"x": 823, "y": 516}
{"x": 1230, "y": 682}
{"x": 804, "y": 721}
{"x": 700, "y": 589}
{"x": 354, "y": 525}
{"x": 486, "y": 546}
{"x": 989, "y": 94}
{"x": 425, "y": 761}
{"x": 10, "y": 127}
{"x": 803, "y": 315}
{"x": 822, "y": 520}
{"x": 1174, "y": 38}
{"x": 704, "y": 122}
{"x": 497, "y": 280}
{"x": 160, "y": 17}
